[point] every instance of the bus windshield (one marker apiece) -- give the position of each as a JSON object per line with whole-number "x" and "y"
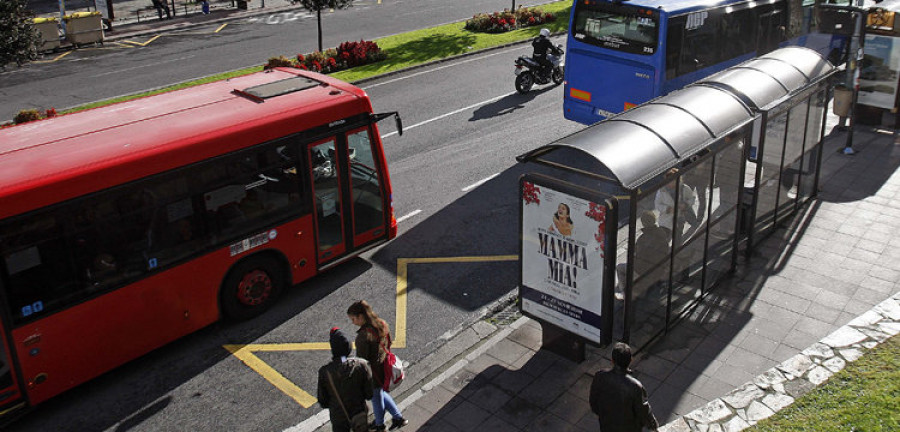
{"x": 626, "y": 29}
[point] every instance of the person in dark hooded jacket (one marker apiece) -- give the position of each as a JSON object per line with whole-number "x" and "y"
{"x": 353, "y": 379}
{"x": 619, "y": 399}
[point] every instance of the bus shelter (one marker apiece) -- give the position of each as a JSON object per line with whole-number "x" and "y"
{"x": 627, "y": 224}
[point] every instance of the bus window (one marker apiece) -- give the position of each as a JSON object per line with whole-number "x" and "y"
{"x": 673, "y": 47}
{"x": 700, "y": 44}
{"x": 736, "y": 33}
{"x": 621, "y": 30}
{"x": 368, "y": 204}
{"x": 41, "y": 274}
{"x": 250, "y": 190}
{"x": 771, "y": 31}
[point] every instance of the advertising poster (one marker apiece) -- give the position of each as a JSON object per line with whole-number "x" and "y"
{"x": 563, "y": 254}
{"x": 878, "y": 71}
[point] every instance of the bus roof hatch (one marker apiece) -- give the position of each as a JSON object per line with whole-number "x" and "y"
{"x": 278, "y": 88}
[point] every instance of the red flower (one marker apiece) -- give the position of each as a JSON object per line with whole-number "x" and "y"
{"x": 300, "y": 58}
{"x": 531, "y": 20}
{"x": 303, "y": 66}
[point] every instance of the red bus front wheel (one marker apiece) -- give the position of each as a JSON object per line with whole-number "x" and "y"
{"x": 250, "y": 288}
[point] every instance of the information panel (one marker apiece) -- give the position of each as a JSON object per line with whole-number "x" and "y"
{"x": 878, "y": 73}
{"x": 563, "y": 255}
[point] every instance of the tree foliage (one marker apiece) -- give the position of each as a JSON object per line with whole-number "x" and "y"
{"x": 19, "y": 40}
{"x": 318, "y": 6}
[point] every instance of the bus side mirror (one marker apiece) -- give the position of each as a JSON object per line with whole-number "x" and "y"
{"x": 379, "y": 117}
{"x": 399, "y": 123}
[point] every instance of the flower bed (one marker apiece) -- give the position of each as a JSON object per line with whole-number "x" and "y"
{"x": 345, "y": 56}
{"x": 29, "y": 115}
{"x": 499, "y": 22}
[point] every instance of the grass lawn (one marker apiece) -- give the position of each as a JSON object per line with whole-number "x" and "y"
{"x": 864, "y": 397}
{"x": 403, "y": 50}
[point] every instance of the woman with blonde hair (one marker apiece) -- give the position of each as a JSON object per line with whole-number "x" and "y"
{"x": 373, "y": 340}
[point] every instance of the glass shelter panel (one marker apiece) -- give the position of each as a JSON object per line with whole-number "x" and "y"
{"x": 690, "y": 236}
{"x": 767, "y": 193}
{"x": 621, "y": 276}
{"x": 813, "y": 146}
{"x": 793, "y": 151}
{"x": 652, "y": 257}
{"x": 723, "y": 210}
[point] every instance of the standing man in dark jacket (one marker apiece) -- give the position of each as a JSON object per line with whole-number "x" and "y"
{"x": 619, "y": 399}
{"x": 353, "y": 379}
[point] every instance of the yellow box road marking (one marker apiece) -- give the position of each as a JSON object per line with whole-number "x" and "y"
{"x": 246, "y": 353}
{"x": 143, "y": 44}
{"x": 57, "y": 58}
{"x": 402, "y": 285}
{"x": 220, "y": 27}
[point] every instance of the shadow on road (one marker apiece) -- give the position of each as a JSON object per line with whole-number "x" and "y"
{"x": 508, "y": 104}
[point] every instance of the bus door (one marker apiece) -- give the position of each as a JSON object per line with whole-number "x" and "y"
{"x": 366, "y": 188}
{"x": 10, "y": 396}
{"x": 348, "y": 185}
{"x": 328, "y": 204}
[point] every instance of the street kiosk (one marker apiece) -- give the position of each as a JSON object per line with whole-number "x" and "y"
{"x": 627, "y": 224}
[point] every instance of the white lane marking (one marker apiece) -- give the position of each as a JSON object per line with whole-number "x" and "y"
{"x": 406, "y": 128}
{"x": 155, "y": 64}
{"x": 409, "y": 216}
{"x": 479, "y": 183}
{"x": 439, "y": 68}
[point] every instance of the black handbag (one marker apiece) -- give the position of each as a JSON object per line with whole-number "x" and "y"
{"x": 360, "y": 421}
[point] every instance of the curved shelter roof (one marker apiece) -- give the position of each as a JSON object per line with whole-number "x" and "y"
{"x": 638, "y": 145}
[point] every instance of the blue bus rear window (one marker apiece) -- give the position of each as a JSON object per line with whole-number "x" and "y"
{"x": 624, "y": 28}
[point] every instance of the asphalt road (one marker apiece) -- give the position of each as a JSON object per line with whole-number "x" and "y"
{"x": 455, "y": 190}
{"x": 95, "y": 73}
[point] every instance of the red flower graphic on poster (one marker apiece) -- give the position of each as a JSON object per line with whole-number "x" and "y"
{"x": 597, "y": 212}
{"x": 531, "y": 193}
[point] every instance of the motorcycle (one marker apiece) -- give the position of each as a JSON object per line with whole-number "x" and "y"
{"x": 529, "y": 72}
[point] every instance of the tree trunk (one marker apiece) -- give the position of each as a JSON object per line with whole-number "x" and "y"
{"x": 319, "y": 16}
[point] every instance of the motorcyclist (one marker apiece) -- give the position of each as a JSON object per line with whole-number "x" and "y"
{"x": 542, "y": 45}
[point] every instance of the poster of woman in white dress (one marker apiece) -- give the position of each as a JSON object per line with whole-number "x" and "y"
{"x": 562, "y": 259}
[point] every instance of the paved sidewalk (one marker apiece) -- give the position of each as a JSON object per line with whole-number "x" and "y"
{"x": 817, "y": 295}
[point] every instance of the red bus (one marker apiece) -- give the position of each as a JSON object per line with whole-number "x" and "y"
{"x": 125, "y": 227}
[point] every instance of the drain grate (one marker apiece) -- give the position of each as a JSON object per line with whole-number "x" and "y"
{"x": 506, "y": 316}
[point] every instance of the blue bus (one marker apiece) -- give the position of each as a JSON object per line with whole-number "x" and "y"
{"x": 623, "y": 53}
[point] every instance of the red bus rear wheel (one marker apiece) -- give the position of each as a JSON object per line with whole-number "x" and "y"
{"x": 250, "y": 288}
